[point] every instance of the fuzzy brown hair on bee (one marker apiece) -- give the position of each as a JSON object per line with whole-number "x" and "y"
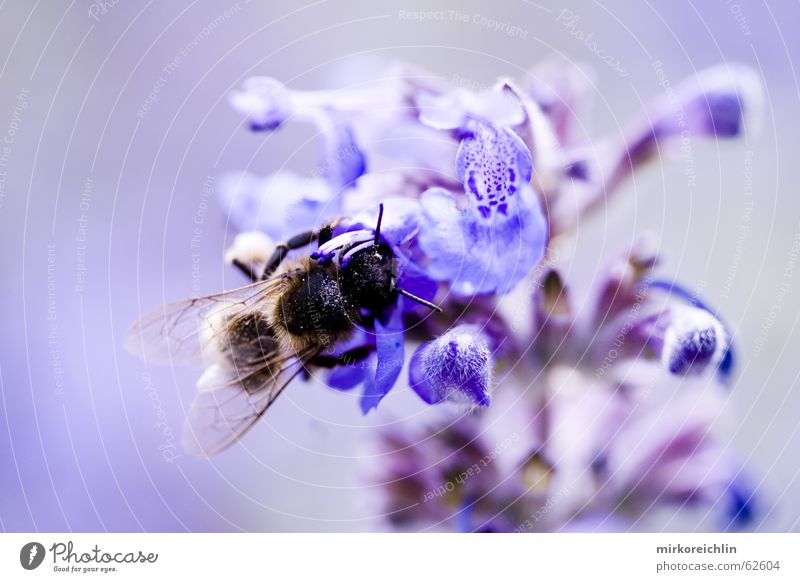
{"x": 310, "y": 309}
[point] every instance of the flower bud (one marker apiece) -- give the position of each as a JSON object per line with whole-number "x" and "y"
{"x": 264, "y": 101}
{"x": 454, "y": 367}
{"x": 693, "y": 341}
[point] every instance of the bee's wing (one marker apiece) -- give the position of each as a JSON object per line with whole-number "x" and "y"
{"x": 173, "y": 332}
{"x": 232, "y": 400}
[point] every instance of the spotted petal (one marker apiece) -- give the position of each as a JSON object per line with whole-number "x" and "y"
{"x": 493, "y": 243}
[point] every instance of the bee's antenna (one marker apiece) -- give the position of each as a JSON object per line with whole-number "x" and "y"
{"x": 378, "y": 227}
{"x": 419, "y": 300}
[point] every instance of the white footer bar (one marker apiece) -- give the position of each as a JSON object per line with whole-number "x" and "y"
{"x": 401, "y": 557}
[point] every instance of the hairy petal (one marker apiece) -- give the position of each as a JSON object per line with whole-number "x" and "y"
{"x": 455, "y": 367}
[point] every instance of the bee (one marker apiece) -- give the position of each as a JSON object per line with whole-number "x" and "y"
{"x": 256, "y": 339}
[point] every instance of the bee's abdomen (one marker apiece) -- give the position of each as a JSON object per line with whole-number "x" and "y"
{"x": 313, "y": 311}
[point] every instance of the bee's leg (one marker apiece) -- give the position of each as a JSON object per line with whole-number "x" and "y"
{"x": 325, "y": 234}
{"x": 347, "y": 358}
{"x": 296, "y": 242}
{"x": 246, "y": 270}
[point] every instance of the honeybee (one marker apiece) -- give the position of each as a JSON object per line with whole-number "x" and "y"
{"x": 256, "y": 339}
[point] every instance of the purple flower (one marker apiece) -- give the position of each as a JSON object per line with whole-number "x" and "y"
{"x": 267, "y": 104}
{"x": 489, "y": 246}
{"x": 579, "y": 178}
{"x": 715, "y": 103}
{"x": 562, "y": 92}
{"x": 435, "y": 477}
{"x": 685, "y": 339}
{"x": 265, "y": 101}
{"x": 280, "y": 204}
{"x": 456, "y": 367}
{"x": 612, "y": 414}
{"x": 602, "y": 406}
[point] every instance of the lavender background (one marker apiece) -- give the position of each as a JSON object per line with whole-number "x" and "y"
{"x": 102, "y": 187}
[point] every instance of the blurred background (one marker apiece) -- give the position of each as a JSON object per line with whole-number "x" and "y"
{"x": 115, "y": 126}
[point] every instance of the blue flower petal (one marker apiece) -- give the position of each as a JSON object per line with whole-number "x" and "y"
{"x": 341, "y": 162}
{"x": 717, "y": 113}
{"x": 372, "y": 395}
{"x": 492, "y": 164}
{"x": 465, "y": 515}
{"x": 346, "y": 377}
{"x": 253, "y": 202}
{"x": 727, "y": 364}
{"x": 380, "y": 377}
{"x": 440, "y": 111}
{"x": 741, "y": 509}
{"x": 414, "y": 280}
{"x": 418, "y": 378}
{"x": 389, "y": 347}
{"x": 477, "y": 255}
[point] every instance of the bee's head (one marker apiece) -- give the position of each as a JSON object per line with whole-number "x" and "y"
{"x": 367, "y": 268}
{"x": 368, "y": 272}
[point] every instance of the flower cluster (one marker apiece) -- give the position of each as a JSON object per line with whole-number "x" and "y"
{"x": 604, "y": 405}
{"x": 614, "y": 412}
